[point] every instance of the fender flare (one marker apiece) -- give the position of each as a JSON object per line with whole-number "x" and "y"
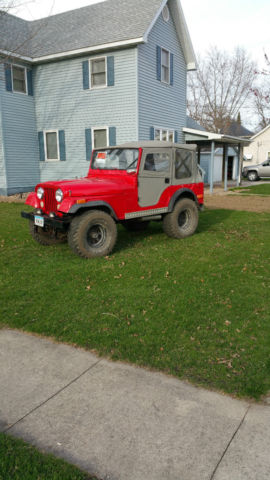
{"x": 91, "y": 205}
{"x": 181, "y": 193}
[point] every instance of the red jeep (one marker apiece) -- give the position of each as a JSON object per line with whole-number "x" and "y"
{"x": 131, "y": 184}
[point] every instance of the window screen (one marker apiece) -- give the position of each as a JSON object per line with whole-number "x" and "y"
{"x": 19, "y": 84}
{"x": 51, "y": 146}
{"x": 183, "y": 164}
{"x": 98, "y": 72}
{"x": 100, "y": 138}
{"x": 157, "y": 162}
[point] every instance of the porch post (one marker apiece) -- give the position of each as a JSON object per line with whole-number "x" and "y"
{"x": 240, "y": 163}
{"x": 226, "y": 169}
{"x": 212, "y": 167}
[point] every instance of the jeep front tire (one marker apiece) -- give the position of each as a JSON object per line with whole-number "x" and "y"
{"x": 183, "y": 220}
{"x": 92, "y": 234}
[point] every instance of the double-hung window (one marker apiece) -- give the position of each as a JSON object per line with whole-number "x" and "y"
{"x": 165, "y": 66}
{"x": 98, "y": 69}
{"x": 19, "y": 79}
{"x": 100, "y": 137}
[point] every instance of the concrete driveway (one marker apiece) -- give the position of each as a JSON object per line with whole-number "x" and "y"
{"x": 125, "y": 423}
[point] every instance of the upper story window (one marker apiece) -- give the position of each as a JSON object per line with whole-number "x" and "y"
{"x": 165, "y": 66}
{"x": 164, "y": 135}
{"x": 19, "y": 79}
{"x": 98, "y": 72}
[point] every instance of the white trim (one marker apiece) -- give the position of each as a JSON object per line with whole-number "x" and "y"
{"x": 166, "y": 13}
{"x": 79, "y": 51}
{"x": 162, "y": 129}
{"x": 93, "y": 137}
{"x": 259, "y": 133}
{"x": 145, "y": 37}
{"x": 216, "y": 136}
{"x": 45, "y": 145}
{"x": 105, "y": 57}
{"x": 25, "y": 78}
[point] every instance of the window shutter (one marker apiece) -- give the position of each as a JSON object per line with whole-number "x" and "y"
{"x": 110, "y": 71}
{"x": 171, "y": 68}
{"x": 152, "y": 133}
{"x": 8, "y": 77}
{"x": 85, "y": 67}
{"x": 88, "y": 144}
{"x": 158, "y": 63}
{"x": 41, "y": 146}
{"x": 112, "y": 136}
{"x": 62, "y": 145}
{"x": 176, "y": 136}
{"x": 30, "y": 82}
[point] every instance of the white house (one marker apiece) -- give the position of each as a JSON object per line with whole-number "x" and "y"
{"x": 259, "y": 149}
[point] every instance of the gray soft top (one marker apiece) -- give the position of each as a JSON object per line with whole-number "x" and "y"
{"x": 154, "y": 144}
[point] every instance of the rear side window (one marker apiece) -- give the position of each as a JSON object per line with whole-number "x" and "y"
{"x": 183, "y": 164}
{"x": 157, "y": 162}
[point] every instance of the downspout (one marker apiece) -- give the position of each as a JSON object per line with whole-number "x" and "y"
{"x": 212, "y": 167}
{"x": 226, "y": 168}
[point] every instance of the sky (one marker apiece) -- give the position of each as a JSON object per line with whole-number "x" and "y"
{"x": 223, "y": 23}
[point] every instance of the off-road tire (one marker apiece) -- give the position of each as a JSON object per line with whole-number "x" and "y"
{"x": 252, "y": 176}
{"x": 136, "y": 225}
{"x": 92, "y": 234}
{"x": 46, "y": 236}
{"x": 183, "y": 220}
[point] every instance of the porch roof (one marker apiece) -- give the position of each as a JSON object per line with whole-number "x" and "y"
{"x": 202, "y": 138}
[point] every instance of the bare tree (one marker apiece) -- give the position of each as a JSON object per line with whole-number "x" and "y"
{"x": 220, "y": 87}
{"x": 261, "y": 101}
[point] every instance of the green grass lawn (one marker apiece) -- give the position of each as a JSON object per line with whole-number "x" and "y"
{"x": 263, "y": 189}
{"x": 20, "y": 461}
{"x": 197, "y": 308}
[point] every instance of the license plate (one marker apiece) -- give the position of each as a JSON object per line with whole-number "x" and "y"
{"x": 39, "y": 221}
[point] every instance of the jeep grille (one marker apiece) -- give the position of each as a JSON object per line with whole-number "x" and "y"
{"x": 49, "y": 200}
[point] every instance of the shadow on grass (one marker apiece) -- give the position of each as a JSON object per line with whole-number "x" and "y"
{"x": 207, "y": 220}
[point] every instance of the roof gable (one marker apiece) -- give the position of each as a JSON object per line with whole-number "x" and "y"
{"x": 259, "y": 133}
{"x": 108, "y": 24}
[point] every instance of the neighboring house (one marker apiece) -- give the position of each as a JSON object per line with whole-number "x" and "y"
{"x": 235, "y": 129}
{"x": 259, "y": 149}
{"x": 100, "y": 75}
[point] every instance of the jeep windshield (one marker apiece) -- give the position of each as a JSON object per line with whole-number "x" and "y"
{"x": 115, "y": 159}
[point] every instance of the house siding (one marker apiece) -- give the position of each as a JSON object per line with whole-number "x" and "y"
{"x": 63, "y": 104}
{"x": 161, "y": 105}
{"x": 258, "y": 148}
{"x": 18, "y": 156}
{"x": 3, "y": 183}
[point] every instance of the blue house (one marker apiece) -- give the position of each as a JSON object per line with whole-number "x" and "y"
{"x": 96, "y": 76}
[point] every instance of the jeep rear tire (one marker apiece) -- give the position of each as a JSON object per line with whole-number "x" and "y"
{"x": 92, "y": 234}
{"x": 46, "y": 236}
{"x": 252, "y": 176}
{"x": 183, "y": 220}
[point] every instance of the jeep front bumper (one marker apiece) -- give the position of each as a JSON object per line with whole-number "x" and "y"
{"x": 58, "y": 223}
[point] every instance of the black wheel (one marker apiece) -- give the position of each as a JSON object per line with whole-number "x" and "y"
{"x": 183, "y": 220}
{"x": 92, "y": 234}
{"x": 135, "y": 225}
{"x": 46, "y": 236}
{"x": 252, "y": 176}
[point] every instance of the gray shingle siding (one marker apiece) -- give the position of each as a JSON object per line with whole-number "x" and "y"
{"x": 63, "y": 104}
{"x": 19, "y": 141}
{"x": 161, "y": 105}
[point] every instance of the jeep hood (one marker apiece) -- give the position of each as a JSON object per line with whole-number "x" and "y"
{"x": 91, "y": 186}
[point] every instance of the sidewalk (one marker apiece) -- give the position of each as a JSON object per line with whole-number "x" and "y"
{"x": 125, "y": 423}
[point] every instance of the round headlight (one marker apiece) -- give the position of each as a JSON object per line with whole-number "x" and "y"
{"x": 40, "y": 193}
{"x": 59, "y": 195}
